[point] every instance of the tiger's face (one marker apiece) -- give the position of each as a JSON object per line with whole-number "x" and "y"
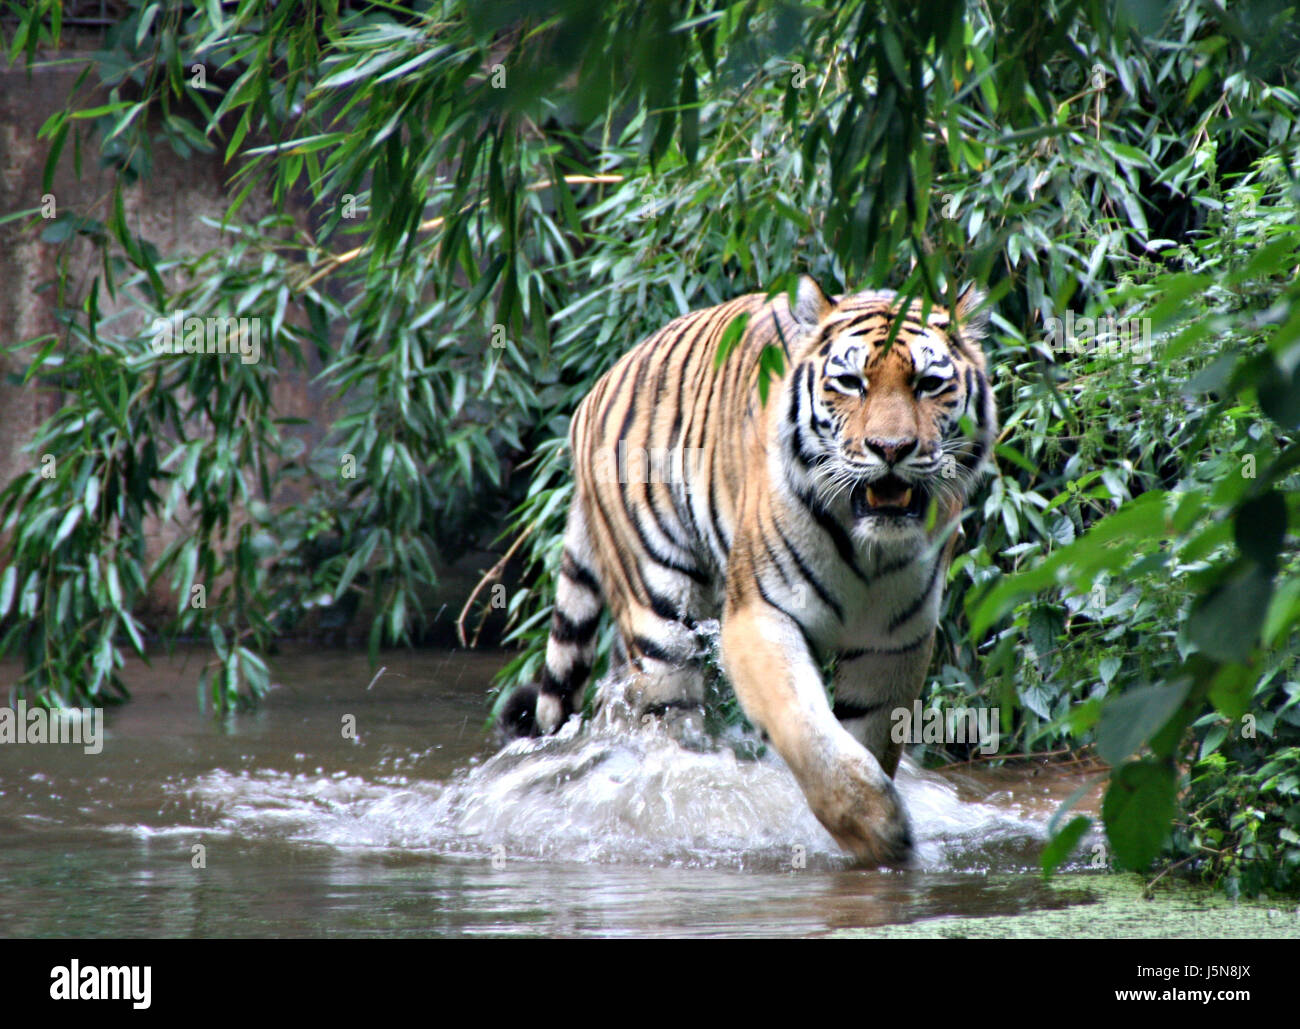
{"x": 887, "y": 420}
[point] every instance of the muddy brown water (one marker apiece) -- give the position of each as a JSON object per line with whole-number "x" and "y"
{"x": 273, "y": 823}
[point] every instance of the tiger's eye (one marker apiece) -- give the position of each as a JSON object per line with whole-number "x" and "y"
{"x": 929, "y": 384}
{"x": 850, "y": 382}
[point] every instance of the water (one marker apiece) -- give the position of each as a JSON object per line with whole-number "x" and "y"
{"x": 275, "y": 823}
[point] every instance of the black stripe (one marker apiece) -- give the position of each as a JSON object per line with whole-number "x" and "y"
{"x": 958, "y": 341}
{"x": 573, "y": 569}
{"x": 658, "y": 516}
{"x": 803, "y": 456}
{"x": 675, "y": 440}
{"x": 664, "y": 706}
{"x": 563, "y": 688}
{"x": 736, "y": 363}
{"x": 844, "y": 709}
{"x": 853, "y": 655}
{"x": 612, "y": 392}
{"x": 896, "y": 565}
{"x": 724, "y": 543}
{"x": 792, "y": 413}
{"x": 646, "y": 647}
{"x": 690, "y": 571}
{"x": 779, "y": 333}
{"x": 836, "y": 532}
{"x": 633, "y": 582}
{"x": 674, "y": 433}
{"x": 687, "y": 497}
{"x": 986, "y": 400}
{"x": 771, "y": 556}
{"x": 566, "y": 630}
{"x": 722, "y": 385}
{"x": 667, "y": 610}
{"x": 845, "y": 327}
{"x": 808, "y": 460}
{"x": 808, "y": 642}
{"x": 809, "y": 575}
{"x": 659, "y": 558}
{"x": 665, "y": 474}
{"x": 630, "y": 416}
{"x": 915, "y": 606}
{"x": 811, "y": 381}
{"x": 643, "y": 365}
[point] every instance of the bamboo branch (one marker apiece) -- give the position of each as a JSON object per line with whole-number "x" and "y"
{"x": 335, "y": 261}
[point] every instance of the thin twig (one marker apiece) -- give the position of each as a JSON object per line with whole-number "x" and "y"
{"x": 1009, "y": 757}
{"x": 1146, "y": 890}
{"x": 491, "y": 574}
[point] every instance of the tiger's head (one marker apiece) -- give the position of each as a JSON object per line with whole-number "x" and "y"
{"x": 877, "y": 429}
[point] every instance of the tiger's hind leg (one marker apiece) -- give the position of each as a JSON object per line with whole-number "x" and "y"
{"x": 663, "y": 675}
{"x": 572, "y": 642}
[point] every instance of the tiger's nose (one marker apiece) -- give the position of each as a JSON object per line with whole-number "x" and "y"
{"x": 891, "y": 451}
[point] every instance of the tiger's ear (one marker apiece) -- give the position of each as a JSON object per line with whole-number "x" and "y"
{"x": 811, "y": 303}
{"x": 970, "y": 314}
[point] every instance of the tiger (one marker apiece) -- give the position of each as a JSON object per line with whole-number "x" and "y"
{"x": 815, "y": 524}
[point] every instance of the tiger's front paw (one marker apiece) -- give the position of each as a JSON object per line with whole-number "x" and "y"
{"x": 878, "y": 833}
{"x": 862, "y": 810}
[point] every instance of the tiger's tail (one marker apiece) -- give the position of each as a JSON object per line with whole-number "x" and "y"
{"x": 538, "y": 709}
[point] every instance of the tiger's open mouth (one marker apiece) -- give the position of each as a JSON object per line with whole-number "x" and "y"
{"x": 890, "y": 497}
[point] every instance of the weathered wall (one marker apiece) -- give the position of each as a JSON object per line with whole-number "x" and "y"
{"x": 167, "y": 210}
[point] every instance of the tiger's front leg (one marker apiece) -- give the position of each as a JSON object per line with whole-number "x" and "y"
{"x": 778, "y": 684}
{"x": 872, "y": 685}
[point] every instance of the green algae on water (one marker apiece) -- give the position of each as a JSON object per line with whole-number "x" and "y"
{"x": 1112, "y": 906}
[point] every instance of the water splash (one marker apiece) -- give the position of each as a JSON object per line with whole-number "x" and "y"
{"x": 608, "y": 795}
